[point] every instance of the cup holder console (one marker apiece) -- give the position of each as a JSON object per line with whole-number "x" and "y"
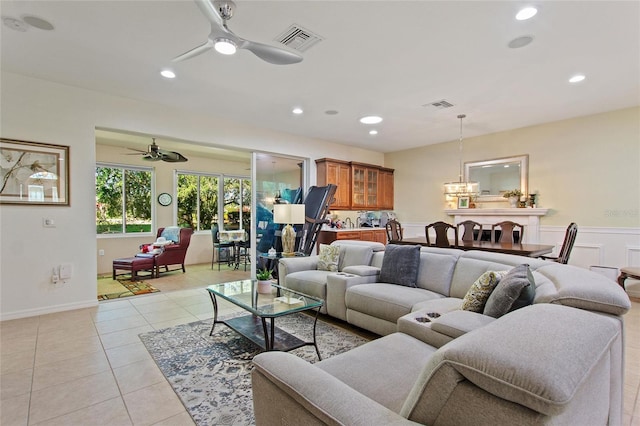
{"x": 429, "y": 316}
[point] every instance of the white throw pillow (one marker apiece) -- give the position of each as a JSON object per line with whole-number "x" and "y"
{"x": 328, "y": 258}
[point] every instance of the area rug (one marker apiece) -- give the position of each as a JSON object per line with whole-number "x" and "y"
{"x": 212, "y": 374}
{"x": 110, "y": 289}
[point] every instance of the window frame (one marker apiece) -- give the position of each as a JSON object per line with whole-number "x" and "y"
{"x": 152, "y": 189}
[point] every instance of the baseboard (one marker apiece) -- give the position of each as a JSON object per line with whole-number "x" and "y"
{"x": 48, "y": 310}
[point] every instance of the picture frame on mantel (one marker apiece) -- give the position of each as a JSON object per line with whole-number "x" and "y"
{"x": 463, "y": 202}
{"x": 34, "y": 173}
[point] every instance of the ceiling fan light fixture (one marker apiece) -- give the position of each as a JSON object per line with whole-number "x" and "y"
{"x": 225, "y": 46}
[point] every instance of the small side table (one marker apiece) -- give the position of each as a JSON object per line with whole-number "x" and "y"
{"x": 628, "y": 272}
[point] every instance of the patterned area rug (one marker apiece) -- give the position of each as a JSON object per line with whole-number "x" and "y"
{"x": 110, "y": 289}
{"x": 211, "y": 374}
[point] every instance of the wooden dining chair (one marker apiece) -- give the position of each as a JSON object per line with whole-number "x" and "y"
{"x": 394, "y": 230}
{"x": 510, "y": 232}
{"x": 442, "y": 234}
{"x": 567, "y": 245}
{"x": 469, "y": 227}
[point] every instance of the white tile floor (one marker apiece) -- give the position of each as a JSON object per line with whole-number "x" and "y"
{"x": 88, "y": 366}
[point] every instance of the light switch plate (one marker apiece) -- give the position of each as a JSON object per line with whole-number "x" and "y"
{"x": 48, "y": 222}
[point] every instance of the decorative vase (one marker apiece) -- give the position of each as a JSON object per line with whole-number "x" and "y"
{"x": 513, "y": 201}
{"x": 264, "y": 286}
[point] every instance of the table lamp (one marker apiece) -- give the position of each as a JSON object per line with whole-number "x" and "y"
{"x": 288, "y": 214}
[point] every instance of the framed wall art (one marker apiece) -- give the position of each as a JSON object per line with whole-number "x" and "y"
{"x": 463, "y": 202}
{"x": 34, "y": 173}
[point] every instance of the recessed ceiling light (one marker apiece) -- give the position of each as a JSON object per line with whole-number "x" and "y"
{"x": 519, "y": 42}
{"x": 371, "y": 119}
{"x": 168, "y": 74}
{"x": 373, "y": 132}
{"x": 297, "y": 111}
{"x": 526, "y": 13}
{"x": 331, "y": 112}
{"x": 577, "y": 78}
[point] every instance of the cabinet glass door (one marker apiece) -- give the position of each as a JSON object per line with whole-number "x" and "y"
{"x": 358, "y": 187}
{"x": 372, "y": 188}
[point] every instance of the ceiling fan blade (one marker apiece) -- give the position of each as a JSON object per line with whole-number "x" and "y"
{"x": 272, "y": 54}
{"x": 173, "y": 157}
{"x": 194, "y": 52}
{"x": 211, "y": 12}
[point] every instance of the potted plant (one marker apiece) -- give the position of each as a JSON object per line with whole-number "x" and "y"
{"x": 264, "y": 280}
{"x": 513, "y": 196}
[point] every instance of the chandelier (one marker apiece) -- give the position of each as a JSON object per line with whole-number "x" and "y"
{"x": 461, "y": 188}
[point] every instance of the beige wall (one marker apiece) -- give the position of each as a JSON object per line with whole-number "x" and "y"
{"x": 584, "y": 169}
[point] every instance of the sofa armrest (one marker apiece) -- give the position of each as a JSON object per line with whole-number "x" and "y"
{"x": 289, "y": 390}
{"x": 456, "y": 323}
{"x": 337, "y": 285}
{"x": 289, "y": 265}
{"x": 362, "y": 270}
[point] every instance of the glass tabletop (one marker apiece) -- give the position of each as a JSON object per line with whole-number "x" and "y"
{"x": 280, "y": 255}
{"x": 245, "y": 295}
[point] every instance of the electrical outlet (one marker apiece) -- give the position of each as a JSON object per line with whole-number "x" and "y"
{"x": 48, "y": 222}
{"x": 100, "y": 252}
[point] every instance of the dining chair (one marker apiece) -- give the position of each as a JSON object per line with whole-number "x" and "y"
{"x": 441, "y": 230}
{"x": 510, "y": 232}
{"x": 394, "y": 230}
{"x": 219, "y": 246}
{"x": 244, "y": 250}
{"x": 469, "y": 227}
{"x": 567, "y": 245}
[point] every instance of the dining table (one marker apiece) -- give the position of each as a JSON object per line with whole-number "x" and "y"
{"x": 529, "y": 250}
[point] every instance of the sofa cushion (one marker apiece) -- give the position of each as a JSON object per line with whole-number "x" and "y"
{"x": 351, "y": 255}
{"x": 328, "y": 258}
{"x": 313, "y": 283}
{"x": 479, "y": 293}
{"x": 515, "y": 290}
{"x": 400, "y": 265}
{"x": 386, "y": 301}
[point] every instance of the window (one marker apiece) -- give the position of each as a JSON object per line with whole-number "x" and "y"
{"x": 237, "y": 203}
{"x": 198, "y": 205}
{"x": 197, "y": 201}
{"x": 123, "y": 199}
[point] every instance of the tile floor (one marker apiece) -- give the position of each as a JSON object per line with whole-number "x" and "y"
{"x": 88, "y": 367}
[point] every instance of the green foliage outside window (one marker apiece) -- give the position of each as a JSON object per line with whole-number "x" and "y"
{"x": 117, "y": 187}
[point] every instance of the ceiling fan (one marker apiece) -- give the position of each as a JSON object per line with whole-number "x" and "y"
{"x": 154, "y": 153}
{"x": 223, "y": 40}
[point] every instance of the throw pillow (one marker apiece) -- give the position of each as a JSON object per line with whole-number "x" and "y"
{"x": 328, "y": 258}
{"x": 171, "y": 233}
{"x": 400, "y": 265}
{"x": 515, "y": 290}
{"x": 479, "y": 293}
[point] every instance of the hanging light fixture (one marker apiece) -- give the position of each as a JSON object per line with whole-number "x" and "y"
{"x": 461, "y": 188}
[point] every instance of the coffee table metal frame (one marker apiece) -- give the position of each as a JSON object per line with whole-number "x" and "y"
{"x": 254, "y": 326}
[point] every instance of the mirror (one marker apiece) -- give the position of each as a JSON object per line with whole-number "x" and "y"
{"x": 498, "y": 175}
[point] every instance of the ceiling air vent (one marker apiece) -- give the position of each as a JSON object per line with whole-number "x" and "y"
{"x": 298, "y": 38}
{"x": 440, "y": 104}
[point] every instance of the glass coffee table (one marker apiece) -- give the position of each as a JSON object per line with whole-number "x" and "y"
{"x": 263, "y": 307}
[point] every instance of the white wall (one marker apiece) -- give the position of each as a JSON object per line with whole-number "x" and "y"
{"x": 585, "y": 170}
{"x": 36, "y": 110}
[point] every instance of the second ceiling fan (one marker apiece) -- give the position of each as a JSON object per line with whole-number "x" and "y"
{"x": 223, "y": 40}
{"x": 154, "y": 153}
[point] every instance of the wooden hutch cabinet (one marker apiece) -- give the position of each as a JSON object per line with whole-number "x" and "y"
{"x": 360, "y": 186}
{"x": 338, "y": 173}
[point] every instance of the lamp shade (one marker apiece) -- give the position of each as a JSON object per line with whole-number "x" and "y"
{"x": 288, "y": 213}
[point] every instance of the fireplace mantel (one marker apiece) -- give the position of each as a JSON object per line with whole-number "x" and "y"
{"x": 528, "y": 217}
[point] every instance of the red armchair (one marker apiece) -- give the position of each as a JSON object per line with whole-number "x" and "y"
{"x": 174, "y": 254}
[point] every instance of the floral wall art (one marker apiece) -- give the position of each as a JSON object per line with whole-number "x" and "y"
{"x": 33, "y": 173}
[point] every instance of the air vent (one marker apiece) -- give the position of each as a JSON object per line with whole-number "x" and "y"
{"x": 298, "y": 38}
{"x": 440, "y": 104}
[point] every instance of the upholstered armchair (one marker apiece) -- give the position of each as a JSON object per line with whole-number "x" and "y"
{"x": 173, "y": 254}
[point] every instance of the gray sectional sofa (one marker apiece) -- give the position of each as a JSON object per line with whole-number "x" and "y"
{"x": 558, "y": 361}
